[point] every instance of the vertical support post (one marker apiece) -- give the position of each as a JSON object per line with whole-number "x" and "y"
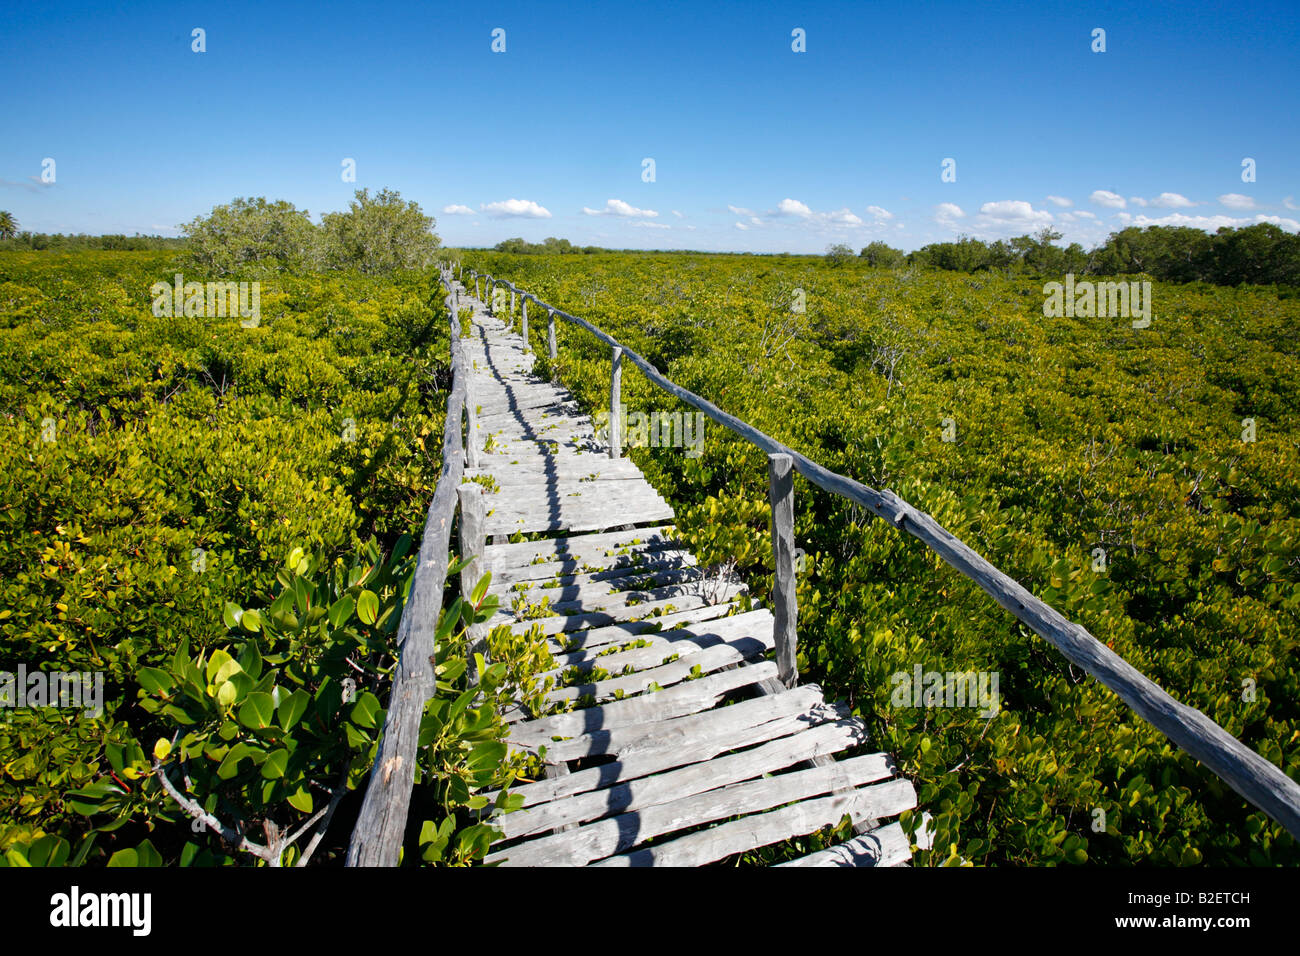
{"x": 780, "y": 492}
{"x": 550, "y": 336}
{"x": 524, "y": 324}
{"x": 512, "y": 305}
{"x": 615, "y": 394}
{"x": 472, "y": 540}
{"x": 478, "y": 289}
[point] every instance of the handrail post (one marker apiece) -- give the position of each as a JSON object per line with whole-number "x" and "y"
{"x": 512, "y": 305}
{"x": 615, "y": 390}
{"x": 550, "y": 336}
{"x": 472, "y": 540}
{"x": 524, "y": 323}
{"x": 780, "y": 490}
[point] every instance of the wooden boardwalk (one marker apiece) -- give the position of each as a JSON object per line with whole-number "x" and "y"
{"x": 683, "y": 747}
{"x": 687, "y": 744}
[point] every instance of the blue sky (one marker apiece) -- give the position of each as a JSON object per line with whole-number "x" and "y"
{"x": 756, "y": 147}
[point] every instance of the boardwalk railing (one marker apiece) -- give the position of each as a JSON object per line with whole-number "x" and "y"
{"x": 1254, "y": 778}
{"x": 377, "y": 836}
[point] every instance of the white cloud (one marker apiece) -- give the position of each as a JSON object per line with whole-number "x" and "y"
{"x": 879, "y": 214}
{"x": 741, "y": 226}
{"x": 1014, "y": 211}
{"x": 1085, "y": 214}
{"x": 793, "y": 207}
{"x": 1164, "y": 201}
{"x": 1104, "y": 197}
{"x": 946, "y": 212}
{"x": 741, "y": 210}
{"x": 678, "y": 215}
{"x": 1208, "y": 223}
{"x": 457, "y": 210}
{"x": 800, "y": 210}
{"x": 652, "y": 225}
{"x": 1060, "y": 201}
{"x": 523, "y": 208}
{"x": 1289, "y": 202}
{"x": 1236, "y": 201}
{"x": 616, "y": 207}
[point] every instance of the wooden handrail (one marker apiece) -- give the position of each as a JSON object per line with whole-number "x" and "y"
{"x": 1250, "y": 775}
{"x": 377, "y": 836}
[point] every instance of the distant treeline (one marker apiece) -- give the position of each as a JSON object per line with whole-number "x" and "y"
{"x": 550, "y": 246}
{"x": 1262, "y": 254}
{"x": 45, "y": 240}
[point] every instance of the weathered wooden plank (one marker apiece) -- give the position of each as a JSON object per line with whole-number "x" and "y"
{"x": 763, "y": 829}
{"x": 600, "y": 597}
{"x": 677, "y": 701}
{"x": 707, "y": 742}
{"x": 651, "y": 610}
{"x": 471, "y": 546}
{"x": 617, "y": 834}
{"x": 885, "y": 846}
{"x": 708, "y": 660}
{"x": 377, "y": 837}
{"x": 655, "y": 563}
{"x": 549, "y": 497}
{"x": 580, "y": 546}
{"x": 538, "y": 576}
{"x": 682, "y": 641}
{"x": 566, "y": 642}
{"x": 615, "y": 399}
{"x": 803, "y": 704}
{"x": 569, "y": 520}
{"x": 824, "y": 739}
{"x": 784, "y": 605}
{"x": 568, "y": 469}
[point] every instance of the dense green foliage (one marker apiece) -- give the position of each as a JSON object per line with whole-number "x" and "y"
{"x": 550, "y": 246}
{"x": 219, "y": 519}
{"x": 1262, "y": 254}
{"x": 38, "y": 241}
{"x": 254, "y": 238}
{"x": 1101, "y": 465}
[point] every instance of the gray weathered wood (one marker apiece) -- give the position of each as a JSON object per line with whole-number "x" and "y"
{"x": 885, "y": 846}
{"x": 602, "y": 838}
{"x": 615, "y": 400}
{"x": 677, "y": 701}
{"x": 763, "y": 829}
{"x": 472, "y": 543}
{"x": 550, "y": 335}
{"x": 377, "y": 836}
{"x": 652, "y": 611}
{"x": 823, "y": 739}
{"x": 784, "y": 604}
{"x": 682, "y": 641}
{"x": 523, "y": 324}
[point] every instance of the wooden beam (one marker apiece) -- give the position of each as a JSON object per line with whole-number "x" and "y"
{"x": 615, "y": 397}
{"x": 472, "y": 542}
{"x": 381, "y": 823}
{"x": 523, "y": 322}
{"x": 780, "y": 491}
